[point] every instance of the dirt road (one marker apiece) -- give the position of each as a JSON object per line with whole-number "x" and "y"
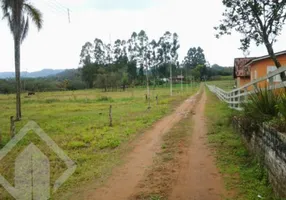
{"x": 197, "y": 177}
{"x": 125, "y": 178}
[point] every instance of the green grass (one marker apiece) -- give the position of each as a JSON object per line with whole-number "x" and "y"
{"x": 78, "y": 121}
{"x": 242, "y": 172}
{"x": 226, "y": 84}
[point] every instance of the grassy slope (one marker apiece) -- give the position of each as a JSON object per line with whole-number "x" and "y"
{"x": 243, "y": 174}
{"x": 226, "y": 85}
{"x": 78, "y": 123}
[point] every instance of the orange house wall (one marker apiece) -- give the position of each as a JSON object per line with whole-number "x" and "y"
{"x": 242, "y": 81}
{"x": 261, "y": 68}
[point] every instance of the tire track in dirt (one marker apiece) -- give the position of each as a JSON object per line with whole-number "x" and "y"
{"x": 198, "y": 179}
{"x": 124, "y": 179}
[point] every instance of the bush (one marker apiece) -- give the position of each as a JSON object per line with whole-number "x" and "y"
{"x": 282, "y": 106}
{"x": 262, "y": 106}
{"x": 104, "y": 98}
{"x": 265, "y": 106}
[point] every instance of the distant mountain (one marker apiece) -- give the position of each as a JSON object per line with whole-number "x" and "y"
{"x": 68, "y": 74}
{"x": 42, "y": 73}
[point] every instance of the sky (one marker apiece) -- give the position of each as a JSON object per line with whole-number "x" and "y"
{"x": 58, "y": 44}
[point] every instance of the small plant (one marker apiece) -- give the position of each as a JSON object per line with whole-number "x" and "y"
{"x": 104, "y": 98}
{"x": 51, "y": 100}
{"x": 76, "y": 145}
{"x": 282, "y": 107}
{"x": 262, "y": 106}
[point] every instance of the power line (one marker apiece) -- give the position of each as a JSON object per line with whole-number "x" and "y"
{"x": 62, "y": 9}
{"x": 59, "y": 4}
{"x": 54, "y": 8}
{"x": 58, "y": 8}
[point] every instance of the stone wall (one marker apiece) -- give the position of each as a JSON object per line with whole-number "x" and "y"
{"x": 270, "y": 146}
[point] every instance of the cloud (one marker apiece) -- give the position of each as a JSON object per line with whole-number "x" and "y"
{"x": 123, "y": 4}
{"x": 59, "y": 44}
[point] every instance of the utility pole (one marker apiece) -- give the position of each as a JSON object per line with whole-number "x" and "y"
{"x": 148, "y": 88}
{"x": 171, "y": 81}
{"x": 69, "y": 15}
{"x": 181, "y": 79}
{"x": 147, "y": 79}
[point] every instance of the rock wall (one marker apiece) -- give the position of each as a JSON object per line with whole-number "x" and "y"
{"x": 270, "y": 146}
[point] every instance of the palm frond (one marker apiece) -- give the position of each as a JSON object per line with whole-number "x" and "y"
{"x": 5, "y": 5}
{"x": 35, "y": 15}
{"x": 25, "y": 28}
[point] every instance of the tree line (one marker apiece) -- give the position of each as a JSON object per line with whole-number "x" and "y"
{"x": 71, "y": 79}
{"x": 131, "y": 62}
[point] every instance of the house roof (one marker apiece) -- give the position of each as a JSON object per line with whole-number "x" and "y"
{"x": 239, "y": 69}
{"x": 242, "y": 65}
{"x": 263, "y": 57}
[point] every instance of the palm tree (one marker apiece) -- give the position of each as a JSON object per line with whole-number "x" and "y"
{"x": 19, "y": 13}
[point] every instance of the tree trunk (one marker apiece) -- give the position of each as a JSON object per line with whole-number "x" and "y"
{"x": 17, "y": 48}
{"x": 274, "y": 58}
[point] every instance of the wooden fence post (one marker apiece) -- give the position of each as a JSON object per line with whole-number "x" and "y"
{"x": 238, "y": 98}
{"x": 110, "y": 115}
{"x": 271, "y": 82}
{"x": 157, "y": 99}
{"x": 12, "y": 127}
{"x": 246, "y": 95}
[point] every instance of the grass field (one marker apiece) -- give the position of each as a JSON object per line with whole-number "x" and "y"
{"x": 78, "y": 121}
{"x": 226, "y": 85}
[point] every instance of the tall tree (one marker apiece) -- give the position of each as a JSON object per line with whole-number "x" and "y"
{"x": 133, "y": 46}
{"x": 99, "y": 54}
{"x": 174, "y": 48}
{"x": 86, "y": 55}
{"x": 18, "y": 14}
{"x": 117, "y": 50}
{"x": 109, "y": 54}
{"x": 88, "y": 73}
{"x": 195, "y": 57}
{"x": 260, "y": 21}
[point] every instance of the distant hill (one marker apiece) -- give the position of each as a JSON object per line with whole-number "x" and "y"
{"x": 70, "y": 74}
{"x": 37, "y": 74}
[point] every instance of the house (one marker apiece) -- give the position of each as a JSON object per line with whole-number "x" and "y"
{"x": 261, "y": 66}
{"x": 250, "y": 69}
{"x": 241, "y": 74}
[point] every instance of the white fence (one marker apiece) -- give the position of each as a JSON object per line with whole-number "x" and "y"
{"x": 235, "y": 97}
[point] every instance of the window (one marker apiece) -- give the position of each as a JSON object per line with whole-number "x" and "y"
{"x": 277, "y": 78}
{"x": 255, "y": 74}
{"x": 252, "y": 78}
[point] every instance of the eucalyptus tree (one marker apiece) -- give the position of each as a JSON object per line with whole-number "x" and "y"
{"x": 18, "y": 14}
{"x": 99, "y": 52}
{"x": 165, "y": 43}
{"x": 86, "y": 55}
{"x": 117, "y": 50}
{"x": 109, "y": 54}
{"x": 195, "y": 56}
{"x": 133, "y": 47}
{"x": 144, "y": 57}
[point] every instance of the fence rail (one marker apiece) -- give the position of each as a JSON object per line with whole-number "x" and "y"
{"x": 237, "y": 96}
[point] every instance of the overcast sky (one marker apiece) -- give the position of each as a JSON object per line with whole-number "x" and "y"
{"x": 58, "y": 44}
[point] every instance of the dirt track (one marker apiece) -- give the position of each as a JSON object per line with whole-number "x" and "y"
{"x": 198, "y": 178}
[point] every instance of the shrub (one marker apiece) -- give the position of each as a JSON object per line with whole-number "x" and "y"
{"x": 262, "y": 106}
{"x": 282, "y": 106}
{"x": 51, "y": 100}
{"x": 76, "y": 145}
{"x": 104, "y": 98}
